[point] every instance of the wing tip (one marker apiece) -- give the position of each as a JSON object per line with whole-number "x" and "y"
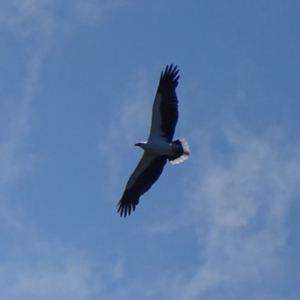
{"x": 127, "y": 204}
{"x": 171, "y": 71}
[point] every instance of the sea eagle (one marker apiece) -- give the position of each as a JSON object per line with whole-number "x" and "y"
{"x": 160, "y": 146}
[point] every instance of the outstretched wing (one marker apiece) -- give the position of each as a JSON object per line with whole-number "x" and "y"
{"x": 165, "y": 106}
{"x": 145, "y": 174}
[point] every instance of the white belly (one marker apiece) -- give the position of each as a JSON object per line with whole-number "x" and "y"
{"x": 159, "y": 147}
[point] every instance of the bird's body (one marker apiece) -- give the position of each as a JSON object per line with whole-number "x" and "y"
{"x": 159, "y": 148}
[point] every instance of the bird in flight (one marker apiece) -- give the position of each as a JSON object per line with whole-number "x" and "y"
{"x": 160, "y": 146}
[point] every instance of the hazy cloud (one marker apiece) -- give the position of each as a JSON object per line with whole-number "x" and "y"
{"x": 31, "y": 268}
{"x": 53, "y": 271}
{"x": 17, "y": 125}
{"x": 27, "y": 18}
{"x": 240, "y": 208}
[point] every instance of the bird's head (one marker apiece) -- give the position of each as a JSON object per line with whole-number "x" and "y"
{"x": 141, "y": 145}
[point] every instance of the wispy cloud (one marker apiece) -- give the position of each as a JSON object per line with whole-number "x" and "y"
{"x": 92, "y": 11}
{"x": 17, "y": 126}
{"x": 240, "y": 207}
{"x": 28, "y": 17}
{"x": 30, "y": 267}
{"x": 40, "y": 18}
{"x": 36, "y": 23}
{"x": 49, "y": 270}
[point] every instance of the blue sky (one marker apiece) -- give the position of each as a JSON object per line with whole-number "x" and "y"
{"x": 77, "y": 81}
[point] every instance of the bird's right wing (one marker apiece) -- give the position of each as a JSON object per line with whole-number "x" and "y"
{"x": 165, "y": 106}
{"x": 143, "y": 177}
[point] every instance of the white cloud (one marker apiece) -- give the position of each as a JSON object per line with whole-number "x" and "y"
{"x": 38, "y": 270}
{"x": 39, "y": 21}
{"x": 90, "y": 11}
{"x": 46, "y": 282}
{"x": 16, "y": 129}
{"x": 240, "y": 208}
{"x": 27, "y": 18}
{"x": 31, "y": 268}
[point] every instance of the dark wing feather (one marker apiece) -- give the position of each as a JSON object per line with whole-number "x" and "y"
{"x": 166, "y": 94}
{"x": 144, "y": 176}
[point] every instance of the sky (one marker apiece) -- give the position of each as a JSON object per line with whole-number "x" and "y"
{"x": 77, "y": 83}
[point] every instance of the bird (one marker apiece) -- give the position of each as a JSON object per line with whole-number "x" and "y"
{"x": 160, "y": 147}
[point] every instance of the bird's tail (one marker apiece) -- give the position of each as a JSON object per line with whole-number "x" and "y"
{"x": 183, "y": 152}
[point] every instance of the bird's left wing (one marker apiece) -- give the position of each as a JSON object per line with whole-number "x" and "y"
{"x": 143, "y": 177}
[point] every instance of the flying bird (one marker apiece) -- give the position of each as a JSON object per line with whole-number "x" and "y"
{"x": 160, "y": 146}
